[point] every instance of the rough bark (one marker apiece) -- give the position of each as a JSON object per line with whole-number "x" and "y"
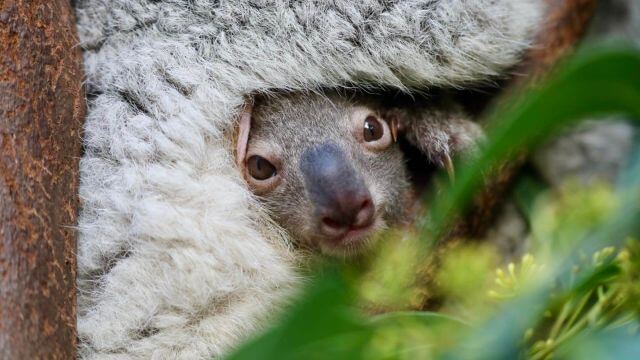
{"x": 41, "y": 111}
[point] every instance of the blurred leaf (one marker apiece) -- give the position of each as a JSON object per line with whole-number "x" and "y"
{"x": 527, "y": 190}
{"x": 599, "y": 276}
{"x": 598, "y": 81}
{"x": 380, "y": 288}
{"x": 615, "y": 344}
{"x": 320, "y": 315}
{"x": 627, "y": 179}
{"x": 425, "y": 318}
{"x": 412, "y": 335}
{"x": 568, "y": 97}
{"x": 465, "y": 273}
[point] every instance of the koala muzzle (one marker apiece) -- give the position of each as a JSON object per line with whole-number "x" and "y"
{"x": 340, "y": 197}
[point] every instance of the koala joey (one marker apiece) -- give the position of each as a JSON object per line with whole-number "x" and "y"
{"x": 328, "y": 168}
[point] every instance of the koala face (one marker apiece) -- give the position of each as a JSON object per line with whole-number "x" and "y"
{"x": 326, "y": 167}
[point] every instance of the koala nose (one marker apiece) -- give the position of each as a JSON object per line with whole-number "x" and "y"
{"x": 348, "y": 212}
{"x": 340, "y": 197}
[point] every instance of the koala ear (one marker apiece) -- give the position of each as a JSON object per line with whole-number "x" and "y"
{"x": 244, "y": 125}
{"x": 394, "y": 124}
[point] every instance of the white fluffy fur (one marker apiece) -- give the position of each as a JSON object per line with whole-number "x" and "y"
{"x": 176, "y": 260}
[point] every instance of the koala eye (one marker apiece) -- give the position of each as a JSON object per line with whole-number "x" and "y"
{"x": 373, "y": 133}
{"x": 260, "y": 168}
{"x": 373, "y": 130}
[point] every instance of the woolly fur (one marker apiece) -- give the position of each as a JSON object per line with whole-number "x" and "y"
{"x": 176, "y": 259}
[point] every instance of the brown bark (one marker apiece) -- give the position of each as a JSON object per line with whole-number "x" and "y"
{"x": 565, "y": 24}
{"x": 41, "y": 111}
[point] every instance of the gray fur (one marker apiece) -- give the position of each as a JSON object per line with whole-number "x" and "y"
{"x": 440, "y": 130}
{"x": 290, "y": 124}
{"x": 176, "y": 258}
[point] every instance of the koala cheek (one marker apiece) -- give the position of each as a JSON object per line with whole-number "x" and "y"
{"x": 379, "y": 197}
{"x": 297, "y": 220}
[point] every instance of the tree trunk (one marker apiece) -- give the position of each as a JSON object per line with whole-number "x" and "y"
{"x": 41, "y": 112}
{"x": 566, "y": 22}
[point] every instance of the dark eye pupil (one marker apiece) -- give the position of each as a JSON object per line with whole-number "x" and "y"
{"x": 260, "y": 168}
{"x": 373, "y": 130}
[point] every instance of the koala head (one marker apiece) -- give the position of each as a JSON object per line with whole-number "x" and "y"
{"x": 325, "y": 166}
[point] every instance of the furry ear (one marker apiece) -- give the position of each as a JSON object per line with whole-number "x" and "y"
{"x": 244, "y": 126}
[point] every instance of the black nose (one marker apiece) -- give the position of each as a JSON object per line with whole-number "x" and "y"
{"x": 340, "y": 197}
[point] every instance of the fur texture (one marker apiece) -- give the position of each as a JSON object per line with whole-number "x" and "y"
{"x": 295, "y": 198}
{"x": 440, "y": 130}
{"x": 176, "y": 259}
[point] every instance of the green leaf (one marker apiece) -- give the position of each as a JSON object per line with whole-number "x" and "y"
{"x": 600, "y": 81}
{"x": 597, "y": 277}
{"x": 597, "y": 82}
{"x": 613, "y": 344}
{"x": 320, "y": 315}
{"x": 424, "y": 318}
{"x": 527, "y": 190}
